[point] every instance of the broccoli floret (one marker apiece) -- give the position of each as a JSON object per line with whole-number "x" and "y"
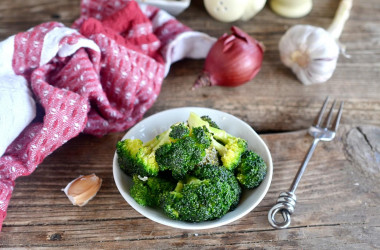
{"x": 210, "y": 121}
{"x": 136, "y": 157}
{"x": 202, "y": 136}
{"x": 208, "y": 194}
{"x": 149, "y": 192}
{"x": 211, "y": 157}
{"x": 179, "y": 131}
{"x": 181, "y": 155}
{"x": 231, "y": 152}
{"x": 252, "y": 170}
{"x": 229, "y": 147}
{"x": 221, "y": 173}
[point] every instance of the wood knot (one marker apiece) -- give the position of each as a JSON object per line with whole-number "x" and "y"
{"x": 56, "y": 16}
{"x": 55, "y": 237}
{"x": 363, "y": 149}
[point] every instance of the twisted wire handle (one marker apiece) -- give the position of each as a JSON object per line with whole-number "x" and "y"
{"x": 286, "y": 203}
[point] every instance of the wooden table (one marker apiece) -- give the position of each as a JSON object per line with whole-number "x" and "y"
{"x": 338, "y": 197}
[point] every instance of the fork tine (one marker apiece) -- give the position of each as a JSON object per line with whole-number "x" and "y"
{"x": 337, "y": 118}
{"x": 328, "y": 120}
{"x": 318, "y": 119}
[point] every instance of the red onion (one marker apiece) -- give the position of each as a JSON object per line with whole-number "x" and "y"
{"x": 232, "y": 61}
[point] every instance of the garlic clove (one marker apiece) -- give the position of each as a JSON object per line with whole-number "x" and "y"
{"x": 82, "y": 189}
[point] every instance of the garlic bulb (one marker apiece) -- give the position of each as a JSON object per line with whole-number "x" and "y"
{"x": 291, "y": 8}
{"x": 82, "y": 189}
{"x": 233, "y": 10}
{"x": 312, "y": 52}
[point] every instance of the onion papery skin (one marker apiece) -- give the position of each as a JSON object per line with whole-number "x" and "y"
{"x": 233, "y": 60}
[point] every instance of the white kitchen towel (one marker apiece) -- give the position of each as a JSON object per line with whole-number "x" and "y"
{"x": 17, "y": 106}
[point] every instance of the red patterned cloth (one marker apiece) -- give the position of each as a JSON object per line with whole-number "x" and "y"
{"x": 97, "y": 77}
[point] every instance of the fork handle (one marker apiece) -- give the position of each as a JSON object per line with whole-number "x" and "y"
{"x": 302, "y": 169}
{"x": 286, "y": 202}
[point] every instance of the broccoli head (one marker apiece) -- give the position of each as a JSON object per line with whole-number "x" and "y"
{"x": 202, "y": 136}
{"x": 211, "y": 157}
{"x": 208, "y": 194}
{"x": 182, "y": 154}
{"x": 252, "y": 170}
{"x": 179, "y": 157}
{"x": 136, "y": 157}
{"x": 222, "y": 174}
{"x": 210, "y": 121}
{"x": 229, "y": 147}
{"x": 148, "y": 191}
{"x": 179, "y": 131}
{"x": 126, "y": 151}
{"x": 231, "y": 152}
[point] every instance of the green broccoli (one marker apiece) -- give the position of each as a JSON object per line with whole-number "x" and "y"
{"x": 251, "y": 170}
{"x": 223, "y": 174}
{"x": 229, "y": 147}
{"x": 202, "y": 136}
{"x": 148, "y": 191}
{"x": 179, "y": 131}
{"x": 211, "y": 157}
{"x": 136, "y": 157}
{"x": 208, "y": 194}
{"x": 194, "y": 171}
{"x": 210, "y": 121}
{"x": 181, "y": 155}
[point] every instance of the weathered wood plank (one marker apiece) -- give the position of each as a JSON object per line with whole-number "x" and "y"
{"x": 338, "y": 197}
{"x": 337, "y": 202}
{"x": 274, "y": 100}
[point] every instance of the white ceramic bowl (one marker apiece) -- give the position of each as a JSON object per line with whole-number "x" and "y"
{"x": 173, "y": 7}
{"x": 160, "y": 122}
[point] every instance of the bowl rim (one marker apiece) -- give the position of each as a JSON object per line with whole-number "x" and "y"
{"x": 172, "y": 7}
{"x": 145, "y": 211}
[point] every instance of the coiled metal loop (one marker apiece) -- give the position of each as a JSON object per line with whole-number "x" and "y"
{"x": 286, "y": 203}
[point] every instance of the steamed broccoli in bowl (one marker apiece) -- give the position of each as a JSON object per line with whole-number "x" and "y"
{"x": 150, "y": 191}
{"x": 207, "y": 194}
{"x": 229, "y": 147}
{"x": 136, "y": 157}
{"x": 251, "y": 170}
{"x": 195, "y": 171}
{"x": 182, "y": 154}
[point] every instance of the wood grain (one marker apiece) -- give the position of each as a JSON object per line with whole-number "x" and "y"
{"x": 274, "y": 101}
{"x": 337, "y": 204}
{"x": 338, "y": 197}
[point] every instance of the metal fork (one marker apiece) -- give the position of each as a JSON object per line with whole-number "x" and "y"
{"x": 321, "y": 131}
